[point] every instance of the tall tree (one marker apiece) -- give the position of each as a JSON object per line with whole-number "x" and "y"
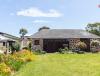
{"x": 94, "y": 28}
{"x": 23, "y": 32}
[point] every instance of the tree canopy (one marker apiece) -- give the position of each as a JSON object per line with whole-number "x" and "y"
{"x": 23, "y": 31}
{"x": 44, "y": 27}
{"x": 94, "y": 28}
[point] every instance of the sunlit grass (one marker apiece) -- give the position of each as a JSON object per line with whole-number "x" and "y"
{"x": 63, "y": 65}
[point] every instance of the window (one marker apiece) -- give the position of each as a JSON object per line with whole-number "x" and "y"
{"x": 4, "y": 43}
{"x": 36, "y": 42}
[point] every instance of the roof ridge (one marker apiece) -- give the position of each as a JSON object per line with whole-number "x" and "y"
{"x": 66, "y": 29}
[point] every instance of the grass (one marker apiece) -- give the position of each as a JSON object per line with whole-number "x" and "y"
{"x": 63, "y": 65}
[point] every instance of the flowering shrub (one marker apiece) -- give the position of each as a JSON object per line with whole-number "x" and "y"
{"x": 13, "y": 62}
{"x": 25, "y": 55}
{"x": 4, "y": 69}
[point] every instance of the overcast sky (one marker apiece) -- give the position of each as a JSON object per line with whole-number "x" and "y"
{"x": 60, "y": 14}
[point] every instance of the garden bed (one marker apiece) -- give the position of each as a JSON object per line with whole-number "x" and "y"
{"x": 9, "y": 64}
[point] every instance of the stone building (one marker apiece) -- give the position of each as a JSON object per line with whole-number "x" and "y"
{"x": 25, "y": 41}
{"x": 50, "y": 40}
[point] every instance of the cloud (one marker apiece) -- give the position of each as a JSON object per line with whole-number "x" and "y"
{"x": 36, "y": 12}
{"x": 40, "y": 21}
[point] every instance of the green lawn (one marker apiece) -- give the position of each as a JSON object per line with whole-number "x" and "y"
{"x": 63, "y": 65}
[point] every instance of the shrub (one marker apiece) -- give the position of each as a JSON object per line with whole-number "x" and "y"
{"x": 80, "y": 52}
{"x": 30, "y": 46}
{"x": 25, "y": 48}
{"x": 1, "y": 57}
{"x": 14, "y": 61}
{"x": 81, "y": 46}
{"x": 15, "y": 47}
{"x": 4, "y": 70}
{"x": 11, "y": 61}
{"x": 38, "y": 52}
{"x": 25, "y": 55}
{"x": 95, "y": 43}
{"x": 65, "y": 50}
{"x": 19, "y": 58}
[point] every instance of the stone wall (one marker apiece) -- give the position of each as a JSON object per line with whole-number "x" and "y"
{"x": 25, "y": 42}
{"x": 37, "y": 47}
{"x": 73, "y": 42}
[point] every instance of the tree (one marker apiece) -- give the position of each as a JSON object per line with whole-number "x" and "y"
{"x": 44, "y": 27}
{"x": 94, "y": 28}
{"x": 23, "y": 32}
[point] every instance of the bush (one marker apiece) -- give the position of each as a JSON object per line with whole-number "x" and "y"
{"x": 95, "y": 43}
{"x": 81, "y": 46}
{"x": 80, "y": 52}
{"x": 95, "y": 51}
{"x": 25, "y": 55}
{"x": 11, "y": 61}
{"x": 30, "y": 46}
{"x": 38, "y": 52}
{"x": 96, "y": 46}
{"x": 15, "y": 47}
{"x": 1, "y": 58}
{"x": 4, "y": 70}
{"x": 65, "y": 50}
{"x": 15, "y": 61}
{"x": 25, "y": 48}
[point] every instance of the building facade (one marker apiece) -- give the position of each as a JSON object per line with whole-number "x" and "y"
{"x": 50, "y": 40}
{"x": 6, "y": 41}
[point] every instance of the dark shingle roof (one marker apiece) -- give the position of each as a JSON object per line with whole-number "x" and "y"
{"x": 64, "y": 33}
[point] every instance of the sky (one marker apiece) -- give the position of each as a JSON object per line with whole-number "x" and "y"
{"x": 56, "y": 14}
